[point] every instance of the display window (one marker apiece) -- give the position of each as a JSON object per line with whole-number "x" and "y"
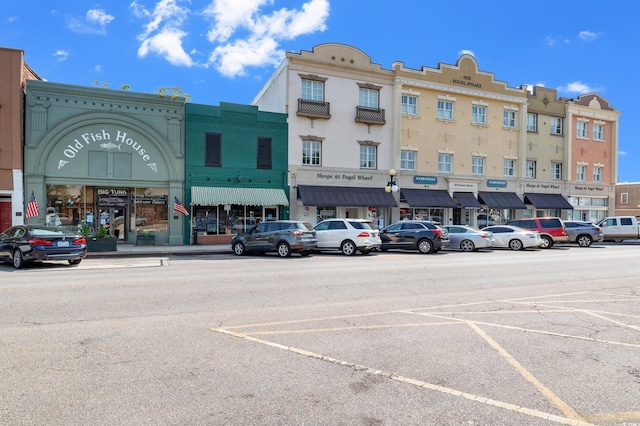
{"x": 231, "y": 219}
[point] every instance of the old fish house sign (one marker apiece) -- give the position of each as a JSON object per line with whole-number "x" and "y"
{"x": 116, "y": 140}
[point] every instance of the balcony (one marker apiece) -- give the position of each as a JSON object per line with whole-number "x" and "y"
{"x": 313, "y": 109}
{"x": 370, "y": 115}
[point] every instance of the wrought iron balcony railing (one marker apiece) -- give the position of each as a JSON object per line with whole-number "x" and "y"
{"x": 370, "y": 115}
{"x": 314, "y": 109}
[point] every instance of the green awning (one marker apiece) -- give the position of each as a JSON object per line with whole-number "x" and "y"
{"x": 214, "y": 196}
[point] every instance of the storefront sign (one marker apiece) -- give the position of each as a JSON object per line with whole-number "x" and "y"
{"x": 555, "y": 186}
{"x": 344, "y": 177}
{"x": 426, "y": 180}
{"x": 466, "y": 80}
{"x": 493, "y": 183}
{"x": 112, "y": 196}
{"x": 463, "y": 186}
{"x": 589, "y": 188}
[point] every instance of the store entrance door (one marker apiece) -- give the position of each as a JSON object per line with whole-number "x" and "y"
{"x": 114, "y": 219}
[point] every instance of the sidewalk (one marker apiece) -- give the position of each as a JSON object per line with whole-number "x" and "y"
{"x": 125, "y": 250}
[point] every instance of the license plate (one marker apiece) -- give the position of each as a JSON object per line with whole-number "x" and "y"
{"x": 63, "y": 243}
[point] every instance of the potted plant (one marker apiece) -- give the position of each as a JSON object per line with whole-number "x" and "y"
{"x": 145, "y": 238}
{"x": 98, "y": 240}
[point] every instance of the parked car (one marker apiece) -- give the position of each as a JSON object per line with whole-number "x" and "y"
{"x": 348, "y": 235}
{"x": 424, "y": 236}
{"x": 551, "y": 229}
{"x": 282, "y": 236}
{"x": 22, "y": 244}
{"x": 468, "y": 238}
{"x": 508, "y": 236}
{"x": 583, "y": 233}
{"x": 485, "y": 219}
{"x": 620, "y": 228}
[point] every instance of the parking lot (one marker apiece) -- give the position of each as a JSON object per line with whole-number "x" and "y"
{"x": 498, "y": 337}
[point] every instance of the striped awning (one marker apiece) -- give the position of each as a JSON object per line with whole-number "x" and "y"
{"x": 214, "y": 196}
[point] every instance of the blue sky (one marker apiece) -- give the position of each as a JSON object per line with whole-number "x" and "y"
{"x": 224, "y": 50}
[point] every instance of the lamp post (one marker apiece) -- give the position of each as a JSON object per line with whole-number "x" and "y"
{"x": 392, "y": 186}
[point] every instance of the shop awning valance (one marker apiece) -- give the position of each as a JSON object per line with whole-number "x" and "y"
{"x": 501, "y": 200}
{"x": 467, "y": 200}
{"x": 344, "y": 196}
{"x": 214, "y": 196}
{"x": 547, "y": 201}
{"x": 438, "y": 198}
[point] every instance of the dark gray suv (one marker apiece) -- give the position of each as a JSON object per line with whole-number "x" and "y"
{"x": 282, "y": 236}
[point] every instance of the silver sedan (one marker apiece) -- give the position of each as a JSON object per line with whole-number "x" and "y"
{"x": 515, "y": 238}
{"x": 468, "y": 238}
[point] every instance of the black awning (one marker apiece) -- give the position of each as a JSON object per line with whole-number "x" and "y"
{"x": 428, "y": 198}
{"x": 467, "y": 200}
{"x": 547, "y": 201}
{"x": 501, "y": 200}
{"x": 345, "y": 196}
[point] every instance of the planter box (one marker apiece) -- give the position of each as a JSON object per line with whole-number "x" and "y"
{"x": 148, "y": 240}
{"x": 102, "y": 244}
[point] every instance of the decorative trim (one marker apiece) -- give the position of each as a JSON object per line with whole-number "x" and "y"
{"x": 598, "y": 165}
{"x": 369, "y": 86}
{"x": 446, "y": 98}
{"x": 409, "y": 148}
{"x": 368, "y": 143}
{"x": 481, "y": 103}
{"x": 510, "y": 157}
{"x": 446, "y": 151}
{"x": 599, "y": 122}
{"x": 511, "y": 107}
{"x": 312, "y": 138}
{"x": 582, "y": 163}
{"x": 313, "y": 77}
{"x": 479, "y": 154}
{"x": 410, "y": 91}
{"x": 585, "y": 120}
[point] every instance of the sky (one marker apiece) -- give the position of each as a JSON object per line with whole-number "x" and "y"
{"x": 225, "y": 50}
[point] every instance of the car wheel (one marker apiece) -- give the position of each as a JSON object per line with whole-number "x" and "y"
{"x": 548, "y": 241}
{"x": 304, "y": 253}
{"x": 284, "y": 250}
{"x": 348, "y": 248}
{"x": 75, "y": 261}
{"x": 238, "y": 249}
{"x": 516, "y": 245}
{"x": 425, "y": 246}
{"x": 584, "y": 240}
{"x": 18, "y": 260}
{"x": 467, "y": 245}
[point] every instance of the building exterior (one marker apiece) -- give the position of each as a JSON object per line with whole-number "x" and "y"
{"x": 627, "y": 199}
{"x": 14, "y": 72}
{"x": 340, "y": 107}
{"x": 236, "y": 170}
{"x": 107, "y": 158}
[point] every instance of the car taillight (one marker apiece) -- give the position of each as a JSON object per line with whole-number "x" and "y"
{"x": 40, "y": 242}
{"x": 597, "y": 229}
{"x": 364, "y": 234}
{"x": 484, "y": 235}
{"x": 296, "y": 233}
{"x": 80, "y": 241}
{"x": 438, "y": 232}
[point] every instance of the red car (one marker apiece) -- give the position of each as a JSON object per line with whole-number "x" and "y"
{"x": 551, "y": 229}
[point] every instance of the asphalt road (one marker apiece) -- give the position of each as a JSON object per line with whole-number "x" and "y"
{"x": 537, "y": 337}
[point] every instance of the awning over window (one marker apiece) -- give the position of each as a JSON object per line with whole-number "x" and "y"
{"x": 467, "y": 200}
{"x": 501, "y": 200}
{"x": 345, "y": 196}
{"x": 547, "y": 201}
{"x": 428, "y": 198}
{"x": 214, "y": 196}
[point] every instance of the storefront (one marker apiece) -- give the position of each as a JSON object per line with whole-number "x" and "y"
{"x": 105, "y": 158}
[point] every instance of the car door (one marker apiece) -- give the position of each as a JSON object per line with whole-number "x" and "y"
{"x": 409, "y": 235}
{"x": 391, "y": 235}
{"x": 502, "y": 235}
{"x": 255, "y": 239}
{"x": 6, "y": 244}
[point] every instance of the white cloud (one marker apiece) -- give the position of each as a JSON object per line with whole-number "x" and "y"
{"x": 95, "y": 22}
{"x": 231, "y": 59}
{"x": 61, "y": 55}
{"x": 577, "y": 87}
{"x": 12, "y": 19}
{"x": 467, "y": 52}
{"x": 97, "y": 68}
{"x": 587, "y": 35}
{"x": 550, "y": 40}
{"x": 622, "y": 153}
{"x": 531, "y": 86}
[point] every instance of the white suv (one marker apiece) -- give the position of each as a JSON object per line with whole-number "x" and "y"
{"x": 348, "y": 236}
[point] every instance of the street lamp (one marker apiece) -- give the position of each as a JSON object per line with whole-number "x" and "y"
{"x": 392, "y": 186}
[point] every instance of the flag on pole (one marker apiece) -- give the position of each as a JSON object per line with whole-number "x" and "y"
{"x": 32, "y": 208}
{"x": 178, "y": 207}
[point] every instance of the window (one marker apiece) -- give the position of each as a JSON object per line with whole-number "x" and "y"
{"x": 368, "y": 98}
{"x": 624, "y": 198}
{"x": 532, "y": 122}
{"x": 409, "y": 104}
{"x": 597, "y": 173}
{"x": 581, "y": 173}
{"x": 509, "y": 167}
{"x": 581, "y": 129}
{"x": 367, "y": 157}
{"x": 213, "y": 150}
{"x": 598, "y": 132}
{"x": 407, "y": 160}
{"x": 445, "y": 162}
{"x": 478, "y": 114}
{"x": 509, "y": 119}
{"x": 445, "y": 110}
{"x": 556, "y": 171}
{"x": 477, "y": 165}
{"x": 313, "y": 90}
{"x": 264, "y": 153}
{"x": 531, "y": 169}
{"x": 556, "y": 125}
{"x": 311, "y": 151}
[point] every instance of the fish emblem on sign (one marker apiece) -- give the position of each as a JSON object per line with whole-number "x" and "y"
{"x": 110, "y": 146}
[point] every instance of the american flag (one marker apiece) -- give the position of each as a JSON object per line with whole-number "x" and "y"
{"x": 178, "y": 207}
{"x": 32, "y": 208}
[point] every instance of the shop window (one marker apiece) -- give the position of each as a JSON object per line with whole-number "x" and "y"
{"x": 122, "y": 165}
{"x": 264, "y": 153}
{"x": 98, "y": 163}
{"x": 213, "y": 150}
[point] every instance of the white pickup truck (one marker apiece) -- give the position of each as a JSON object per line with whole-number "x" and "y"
{"x": 618, "y": 228}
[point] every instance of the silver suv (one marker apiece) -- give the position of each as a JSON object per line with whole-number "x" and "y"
{"x": 583, "y": 233}
{"x": 282, "y": 236}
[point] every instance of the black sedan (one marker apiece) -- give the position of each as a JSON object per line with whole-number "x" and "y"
{"x": 422, "y": 235}
{"x": 22, "y": 244}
